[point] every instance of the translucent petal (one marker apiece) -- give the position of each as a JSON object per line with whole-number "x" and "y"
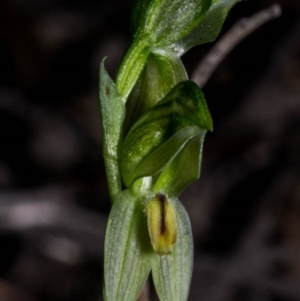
{"x": 128, "y": 250}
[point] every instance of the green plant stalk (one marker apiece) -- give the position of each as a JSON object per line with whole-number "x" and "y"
{"x": 131, "y": 67}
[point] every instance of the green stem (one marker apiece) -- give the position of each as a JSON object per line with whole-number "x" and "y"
{"x": 131, "y": 66}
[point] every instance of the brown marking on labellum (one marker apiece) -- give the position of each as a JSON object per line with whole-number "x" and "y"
{"x": 162, "y": 201}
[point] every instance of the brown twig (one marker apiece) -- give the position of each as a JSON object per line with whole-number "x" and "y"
{"x": 238, "y": 32}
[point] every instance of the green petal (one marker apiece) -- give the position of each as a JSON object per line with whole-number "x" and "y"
{"x": 128, "y": 251}
{"x": 158, "y": 135}
{"x": 161, "y": 156}
{"x": 183, "y": 169}
{"x": 172, "y": 273}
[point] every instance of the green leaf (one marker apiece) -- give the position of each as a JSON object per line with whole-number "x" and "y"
{"x": 209, "y": 27}
{"x": 172, "y": 273}
{"x": 160, "y": 134}
{"x": 138, "y": 14}
{"x": 128, "y": 251}
{"x": 163, "y": 71}
{"x": 183, "y": 169}
{"x": 112, "y": 114}
{"x": 163, "y": 22}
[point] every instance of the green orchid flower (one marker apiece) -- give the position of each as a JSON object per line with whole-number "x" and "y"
{"x": 148, "y": 228}
{"x": 154, "y": 124}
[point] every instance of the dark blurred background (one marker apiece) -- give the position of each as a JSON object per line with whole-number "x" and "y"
{"x": 54, "y": 203}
